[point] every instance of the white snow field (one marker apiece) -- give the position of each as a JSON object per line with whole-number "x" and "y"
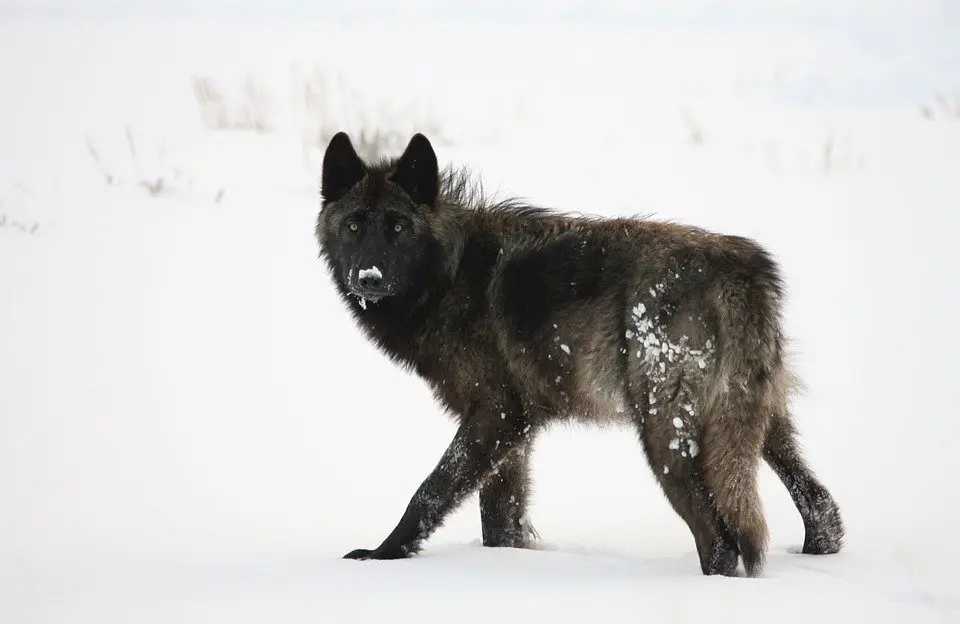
{"x": 192, "y": 429}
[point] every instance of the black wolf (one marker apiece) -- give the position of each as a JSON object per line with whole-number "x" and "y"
{"x": 516, "y": 316}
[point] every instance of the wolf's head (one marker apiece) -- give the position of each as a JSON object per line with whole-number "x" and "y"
{"x": 373, "y": 227}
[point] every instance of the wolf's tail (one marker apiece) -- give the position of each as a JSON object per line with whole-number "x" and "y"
{"x": 750, "y": 384}
{"x": 731, "y": 451}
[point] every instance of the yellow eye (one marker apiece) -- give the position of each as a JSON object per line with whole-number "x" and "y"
{"x": 353, "y": 227}
{"x": 398, "y": 227}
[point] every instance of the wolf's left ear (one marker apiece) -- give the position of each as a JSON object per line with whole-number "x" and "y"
{"x": 342, "y": 168}
{"x": 417, "y": 171}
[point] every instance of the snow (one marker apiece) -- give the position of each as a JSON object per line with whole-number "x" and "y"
{"x": 187, "y": 432}
{"x": 371, "y": 272}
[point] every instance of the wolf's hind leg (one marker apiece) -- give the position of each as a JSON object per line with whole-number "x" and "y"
{"x": 676, "y": 465}
{"x": 503, "y": 504}
{"x": 823, "y": 526}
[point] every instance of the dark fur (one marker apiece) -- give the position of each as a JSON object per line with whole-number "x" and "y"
{"x": 517, "y": 316}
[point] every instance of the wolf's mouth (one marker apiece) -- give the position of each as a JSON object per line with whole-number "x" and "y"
{"x": 365, "y": 296}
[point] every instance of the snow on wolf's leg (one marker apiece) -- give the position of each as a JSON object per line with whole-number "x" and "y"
{"x": 823, "y": 526}
{"x": 481, "y": 444}
{"x": 503, "y": 503}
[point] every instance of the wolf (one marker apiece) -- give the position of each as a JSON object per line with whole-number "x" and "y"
{"x": 517, "y": 316}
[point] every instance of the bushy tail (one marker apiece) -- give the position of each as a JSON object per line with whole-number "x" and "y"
{"x": 750, "y": 383}
{"x": 731, "y": 450}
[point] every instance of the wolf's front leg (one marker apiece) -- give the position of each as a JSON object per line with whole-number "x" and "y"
{"x": 503, "y": 503}
{"x": 480, "y": 446}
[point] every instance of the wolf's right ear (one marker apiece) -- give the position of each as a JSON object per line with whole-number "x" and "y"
{"x": 342, "y": 168}
{"x": 417, "y": 171}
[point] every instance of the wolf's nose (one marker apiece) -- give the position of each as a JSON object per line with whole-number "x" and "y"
{"x": 370, "y": 282}
{"x": 370, "y": 279}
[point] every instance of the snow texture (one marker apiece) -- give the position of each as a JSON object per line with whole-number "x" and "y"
{"x": 187, "y": 428}
{"x": 661, "y": 355}
{"x": 371, "y": 272}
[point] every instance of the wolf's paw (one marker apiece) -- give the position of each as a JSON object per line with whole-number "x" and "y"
{"x": 531, "y": 537}
{"x": 363, "y": 554}
{"x": 518, "y": 535}
{"x": 824, "y": 529}
{"x": 721, "y": 559}
{"x": 823, "y": 541}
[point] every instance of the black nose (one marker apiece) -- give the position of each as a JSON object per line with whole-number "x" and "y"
{"x": 370, "y": 279}
{"x": 370, "y": 282}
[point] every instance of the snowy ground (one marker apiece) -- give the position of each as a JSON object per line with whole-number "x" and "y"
{"x": 191, "y": 430}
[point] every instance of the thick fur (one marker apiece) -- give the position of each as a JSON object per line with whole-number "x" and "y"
{"x": 517, "y": 316}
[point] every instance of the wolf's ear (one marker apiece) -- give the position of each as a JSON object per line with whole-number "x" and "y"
{"x": 342, "y": 168}
{"x": 417, "y": 171}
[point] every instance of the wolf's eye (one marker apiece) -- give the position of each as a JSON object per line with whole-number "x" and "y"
{"x": 353, "y": 227}
{"x": 398, "y": 227}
